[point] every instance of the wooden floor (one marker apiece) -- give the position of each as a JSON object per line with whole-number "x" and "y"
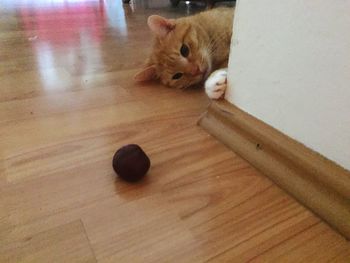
{"x": 67, "y": 102}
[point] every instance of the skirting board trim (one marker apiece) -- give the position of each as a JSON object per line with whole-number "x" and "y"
{"x": 316, "y": 182}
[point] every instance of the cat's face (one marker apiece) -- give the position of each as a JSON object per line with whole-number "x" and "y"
{"x": 180, "y": 56}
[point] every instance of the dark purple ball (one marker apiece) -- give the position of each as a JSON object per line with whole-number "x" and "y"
{"x": 131, "y": 163}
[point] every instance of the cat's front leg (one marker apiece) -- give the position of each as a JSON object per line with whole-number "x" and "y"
{"x": 216, "y": 84}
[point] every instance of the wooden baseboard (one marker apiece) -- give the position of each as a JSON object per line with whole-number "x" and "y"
{"x": 313, "y": 180}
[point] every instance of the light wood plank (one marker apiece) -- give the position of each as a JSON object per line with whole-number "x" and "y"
{"x": 67, "y": 243}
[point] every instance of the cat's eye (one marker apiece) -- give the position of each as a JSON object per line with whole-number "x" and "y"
{"x": 177, "y": 75}
{"x": 184, "y": 50}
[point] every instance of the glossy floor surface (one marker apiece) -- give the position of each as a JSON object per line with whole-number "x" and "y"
{"x": 67, "y": 102}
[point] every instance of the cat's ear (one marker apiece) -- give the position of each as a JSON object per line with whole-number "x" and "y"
{"x": 148, "y": 73}
{"x": 160, "y": 25}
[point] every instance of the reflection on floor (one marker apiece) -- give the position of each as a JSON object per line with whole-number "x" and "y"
{"x": 67, "y": 102}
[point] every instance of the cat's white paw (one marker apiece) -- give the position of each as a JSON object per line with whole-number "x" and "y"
{"x": 216, "y": 84}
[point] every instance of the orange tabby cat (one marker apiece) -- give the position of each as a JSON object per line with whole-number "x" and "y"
{"x": 188, "y": 49}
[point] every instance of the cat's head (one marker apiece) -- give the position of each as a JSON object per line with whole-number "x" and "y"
{"x": 180, "y": 57}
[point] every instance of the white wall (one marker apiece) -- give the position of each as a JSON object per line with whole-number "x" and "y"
{"x": 290, "y": 67}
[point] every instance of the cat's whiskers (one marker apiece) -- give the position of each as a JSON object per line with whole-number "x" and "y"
{"x": 213, "y": 43}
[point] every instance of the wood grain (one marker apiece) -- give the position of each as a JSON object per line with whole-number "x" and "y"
{"x": 68, "y": 102}
{"x": 67, "y": 243}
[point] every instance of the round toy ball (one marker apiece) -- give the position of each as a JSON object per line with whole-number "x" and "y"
{"x": 131, "y": 163}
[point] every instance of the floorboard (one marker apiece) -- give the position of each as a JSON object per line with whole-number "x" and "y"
{"x": 68, "y": 102}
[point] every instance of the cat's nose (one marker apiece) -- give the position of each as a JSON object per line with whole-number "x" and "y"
{"x": 195, "y": 70}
